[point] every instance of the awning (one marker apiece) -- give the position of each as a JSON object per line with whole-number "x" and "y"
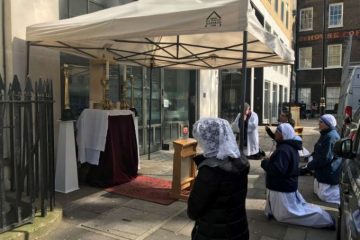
{"x": 192, "y": 34}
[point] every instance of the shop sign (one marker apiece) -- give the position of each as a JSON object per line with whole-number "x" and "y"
{"x": 330, "y": 36}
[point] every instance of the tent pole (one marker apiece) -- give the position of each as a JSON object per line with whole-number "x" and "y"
{"x": 242, "y": 102}
{"x": 150, "y": 104}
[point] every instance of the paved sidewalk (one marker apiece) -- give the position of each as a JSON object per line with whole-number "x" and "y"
{"x": 91, "y": 213}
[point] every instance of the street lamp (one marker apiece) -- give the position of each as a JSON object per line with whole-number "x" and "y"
{"x": 322, "y": 80}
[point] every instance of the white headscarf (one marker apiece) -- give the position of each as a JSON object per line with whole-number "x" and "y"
{"x": 287, "y": 131}
{"x": 329, "y": 120}
{"x": 216, "y": 138}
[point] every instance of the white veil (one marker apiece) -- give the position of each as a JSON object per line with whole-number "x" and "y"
{"x": 216, "y": 138}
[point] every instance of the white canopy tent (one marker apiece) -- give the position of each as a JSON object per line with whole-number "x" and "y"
{"x": 191, "y": 34}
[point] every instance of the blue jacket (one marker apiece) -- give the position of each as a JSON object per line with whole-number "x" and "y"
{"x": 282, "y": 169}
{"x": 326, "y": 165}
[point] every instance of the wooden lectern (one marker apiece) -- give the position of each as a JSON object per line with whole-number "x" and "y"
{"x": 184, "y": 168}
{"x": 295, "y": 113}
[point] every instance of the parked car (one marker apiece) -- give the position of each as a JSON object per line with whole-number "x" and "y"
{"x": 349, "y": 209}
{"x": 349, "y": 100}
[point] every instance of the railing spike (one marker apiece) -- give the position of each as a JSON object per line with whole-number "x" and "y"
{"x": 40, "y": 87}
{"x": 16, "y": 88}
{"x": 10, "y": 91}
{"x": 28, "y": 86}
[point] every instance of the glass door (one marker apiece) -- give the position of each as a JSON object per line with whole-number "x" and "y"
{"x": 135, "y": 98}
{"x": 176, "y": 103}
{"x": 155, "y": 125}
{"x": 230, "y": 94}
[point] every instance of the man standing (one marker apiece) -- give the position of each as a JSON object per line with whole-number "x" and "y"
{"x": 251, "y": 134}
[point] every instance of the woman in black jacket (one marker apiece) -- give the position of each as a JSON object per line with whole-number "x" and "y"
{"x": 284, "y": 202}
{"x": 217, "y": 199}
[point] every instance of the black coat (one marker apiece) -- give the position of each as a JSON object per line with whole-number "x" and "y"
{"x": 282, "y": 169}
{"x": 217, "y": 202}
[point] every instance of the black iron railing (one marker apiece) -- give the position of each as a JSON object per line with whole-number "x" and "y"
{"x": 26, "y": 152}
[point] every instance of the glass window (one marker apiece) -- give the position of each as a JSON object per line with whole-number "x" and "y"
{"x": 335, "y": 15}
{"x": 116, "y": 77}
{"x": 95, "y": 6}
{"x": 304, "y": 96}
{"x": 306, "y": 19}
{"x": 274, "y": 102}
{"x": 282, "y": 11}
{"x": 332, "y": 97}
{"x": 135, "y": 76}
{"x": 77, "y": 8}
{"x": 286, "y": 94}
{"x": 267, "y": 27}
{"x": 176, "y": 102}
{"x": 155, "y": 96}
{"x": 305, "y": 58}
{"x": 276, "y": 6}
{"x": 176, "y": 94}
{"x": 78, "y": 88}
{"x": 334, "y": 55}
{"x": 230, "y": 93}
{"x": 287, "y": 17}
{"x": 267, "y": 100}
{"x": 281, "y": 94}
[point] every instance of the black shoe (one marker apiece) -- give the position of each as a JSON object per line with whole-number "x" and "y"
{"x": 255, "y": 157}
{"x": 333, "y": 226}
{"x": 305, "y": 171}
{"x": 269, "y": 216}
{"x": 262, "y": 153}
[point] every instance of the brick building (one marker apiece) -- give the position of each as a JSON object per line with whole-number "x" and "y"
{"x": 341, "y": 21}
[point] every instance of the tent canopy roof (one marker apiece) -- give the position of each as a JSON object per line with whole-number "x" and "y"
{"x": 190, "y": 34}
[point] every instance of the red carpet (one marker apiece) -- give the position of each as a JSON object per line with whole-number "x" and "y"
{"x": 146, "y": 188}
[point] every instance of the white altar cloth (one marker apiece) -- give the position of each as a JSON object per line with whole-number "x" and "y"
{"x": 92, "y": 127}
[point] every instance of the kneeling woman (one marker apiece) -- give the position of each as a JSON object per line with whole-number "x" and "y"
{"x": 284, "y": 202}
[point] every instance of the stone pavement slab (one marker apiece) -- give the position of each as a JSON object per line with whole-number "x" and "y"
{"x": 103, "y": 216}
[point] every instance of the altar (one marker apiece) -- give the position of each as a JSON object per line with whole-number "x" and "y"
{"x": 107, "y": 140}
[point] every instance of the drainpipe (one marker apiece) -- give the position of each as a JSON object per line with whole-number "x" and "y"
{"x": 322, "y": 81}
{"x": 3, "y": 40}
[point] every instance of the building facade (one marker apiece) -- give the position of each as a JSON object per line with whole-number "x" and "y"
{"x": 179, "y": 96}
{"x": 323, "y": 30}
{"x": 267, "y": 87}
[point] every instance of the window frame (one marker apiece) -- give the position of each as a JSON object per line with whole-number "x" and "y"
{"x": 328, "y": 55}
{"x": 287, "y": 15}
{"x": 282, "y": 11}
{"x": 301, "y": 29}
{"x": 342, "y": 15}
{"x": 302, "y": 67}
{"x": 304, "y": 95}
{"x": 331, "y": 98}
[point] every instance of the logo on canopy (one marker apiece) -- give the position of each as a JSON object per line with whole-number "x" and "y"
{"x": 213, "y": 20}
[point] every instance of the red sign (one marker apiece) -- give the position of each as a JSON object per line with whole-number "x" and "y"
{"x": 330, "y": 35}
